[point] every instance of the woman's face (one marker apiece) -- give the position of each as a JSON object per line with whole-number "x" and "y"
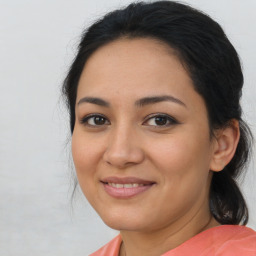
{"x": 141, "y": 143}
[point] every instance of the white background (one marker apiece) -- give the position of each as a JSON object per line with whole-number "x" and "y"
{"x": 37, "y": 43}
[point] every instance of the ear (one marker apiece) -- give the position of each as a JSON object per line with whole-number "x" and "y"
{"x": 225, "y": 144}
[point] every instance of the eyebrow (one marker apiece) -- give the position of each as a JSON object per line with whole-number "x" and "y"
{"x": 93, "y": 100}
{"x": 156, "y": 99}
{"x": 139, "y": 103}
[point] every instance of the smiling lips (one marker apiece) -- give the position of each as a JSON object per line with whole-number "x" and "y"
{"x": 125, "y": 187}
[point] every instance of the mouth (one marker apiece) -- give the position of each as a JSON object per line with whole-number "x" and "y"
{"x": 129, "y": 185}
{"x": 124, "y": 188}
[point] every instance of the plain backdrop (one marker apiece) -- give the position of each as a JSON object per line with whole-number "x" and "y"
{"x": 38, "y": 40}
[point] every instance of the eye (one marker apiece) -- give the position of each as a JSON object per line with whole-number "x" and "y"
{"x": 94, "y": 120}
{"x": 160, "y": 120}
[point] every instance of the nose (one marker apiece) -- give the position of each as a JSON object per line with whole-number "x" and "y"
{"x": 124, "y": 149}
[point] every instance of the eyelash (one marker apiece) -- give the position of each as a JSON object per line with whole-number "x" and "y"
{"x": 169, "y": 120}
{"x": 85, "y": 120}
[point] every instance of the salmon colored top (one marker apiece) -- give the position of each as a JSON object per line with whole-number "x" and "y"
{"x": 228, "y": 240}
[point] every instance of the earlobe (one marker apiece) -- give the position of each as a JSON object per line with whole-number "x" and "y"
{"x": 225, "y": 144}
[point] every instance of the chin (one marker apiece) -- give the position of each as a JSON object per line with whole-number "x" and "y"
{"x": 123, "y": 222}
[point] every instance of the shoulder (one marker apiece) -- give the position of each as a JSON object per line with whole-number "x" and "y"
{"x": 235, "y": 240}
{"x": 225, "y": 240}
{"x": 111, "y": 248}
{"x": 232, "y": 234}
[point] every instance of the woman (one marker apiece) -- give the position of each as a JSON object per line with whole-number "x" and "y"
{"x": 157, "y": 134}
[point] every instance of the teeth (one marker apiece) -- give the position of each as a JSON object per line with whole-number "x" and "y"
{"x": 128, "y": 185}
{"x": 131, "y": 185}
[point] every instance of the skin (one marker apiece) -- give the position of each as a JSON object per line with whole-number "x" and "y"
{"x": 179, "y": 156}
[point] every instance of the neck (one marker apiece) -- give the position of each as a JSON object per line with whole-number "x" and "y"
{"x": 157, "y": 242}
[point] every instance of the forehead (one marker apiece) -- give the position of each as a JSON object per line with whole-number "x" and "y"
{"x": 126, "y": 51}
{"x": 134, "y": 68}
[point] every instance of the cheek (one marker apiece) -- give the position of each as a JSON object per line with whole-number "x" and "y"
{"x": 182, "y": 155}
{"x": 85, "y": 151}
{"x": 183, "y": 167}
{"x": 86, "y": 156}
{"x": 80, "y": 153}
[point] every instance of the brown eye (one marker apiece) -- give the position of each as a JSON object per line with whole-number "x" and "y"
{"x": 98, "y": 120}
{"x": 160, "y": 120}
{"x": 94, "y": 120}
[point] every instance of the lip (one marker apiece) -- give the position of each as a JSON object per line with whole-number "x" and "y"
{"x": 124, "y": 192}
{"x": 126, "y": 180}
